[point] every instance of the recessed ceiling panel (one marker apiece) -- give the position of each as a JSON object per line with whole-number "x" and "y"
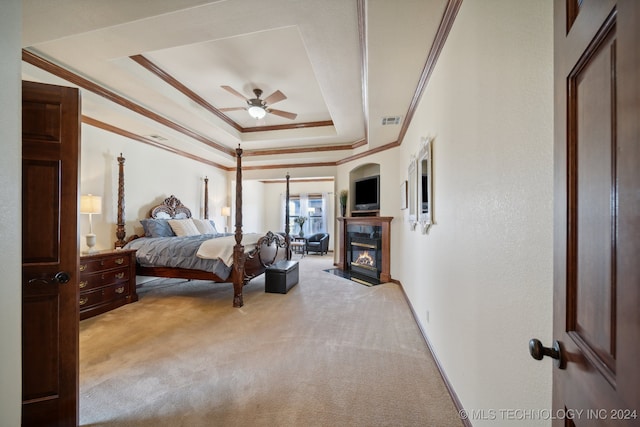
{"x": 269, "y": 60}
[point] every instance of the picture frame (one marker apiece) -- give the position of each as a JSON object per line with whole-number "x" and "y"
{"x": 404, "y": 201}
{"x": 425, "y": 185}
{"x": 412, "y": 196}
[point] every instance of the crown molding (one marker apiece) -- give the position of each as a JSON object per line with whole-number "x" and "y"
{"x": 176, "y": 84}
{"x": 119, "y": 131}
{"x": 448, "y": 18}
{"x": 67, "y": 75}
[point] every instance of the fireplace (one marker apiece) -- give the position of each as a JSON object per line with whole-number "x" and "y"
{"x": 365, "y": 258}
{"x": 364, "y": 248}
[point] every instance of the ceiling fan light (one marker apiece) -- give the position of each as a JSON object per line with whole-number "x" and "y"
{"x": 257, "y": 112}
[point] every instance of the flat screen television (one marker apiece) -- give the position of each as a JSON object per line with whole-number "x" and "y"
{"x": 367, "y": 193}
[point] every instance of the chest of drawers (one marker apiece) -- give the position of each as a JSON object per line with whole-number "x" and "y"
{"x": 107, "y": 281}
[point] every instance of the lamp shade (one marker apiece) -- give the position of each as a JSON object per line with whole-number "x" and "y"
{"x": 226, "y": 211}
{"x": 90, "y": 204}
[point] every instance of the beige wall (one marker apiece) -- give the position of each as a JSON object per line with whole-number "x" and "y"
{"x": 10, "y": 194}
{"x": 484, "y": 270}
{"x": 151, "y": 175}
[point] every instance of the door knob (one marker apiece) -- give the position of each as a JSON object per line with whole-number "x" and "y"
{"x": 538, "y": 351}
{"x": 61, "y": 277}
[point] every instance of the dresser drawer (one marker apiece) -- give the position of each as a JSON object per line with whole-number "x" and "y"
{"x": 104, "y": 295}
{"x": 107, "y": 280}
{"x": 89, "y": 266}
{"x": 96, "y": 280}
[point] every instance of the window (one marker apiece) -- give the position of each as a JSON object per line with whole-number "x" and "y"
{"x": 312, "y": 207}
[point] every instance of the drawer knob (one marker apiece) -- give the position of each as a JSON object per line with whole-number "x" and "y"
{"x": 83, "y": 300}
{"x": 83, "y": 267}
{"x": 83, "y": 284}
{"x": 120, "y": 290}
{"x": 120, "y": 275}
{"x": 120, "y": 261}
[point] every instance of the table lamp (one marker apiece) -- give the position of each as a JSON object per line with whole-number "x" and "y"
{"x": 90, "y": 205}
{"x": 226, "y": 212}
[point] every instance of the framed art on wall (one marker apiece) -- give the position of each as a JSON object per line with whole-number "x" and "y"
{"x": 425, "y": 185}
{"x": 412, "y": 195}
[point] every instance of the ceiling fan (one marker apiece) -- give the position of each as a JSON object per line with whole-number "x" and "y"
{"x": 258, "y": 108}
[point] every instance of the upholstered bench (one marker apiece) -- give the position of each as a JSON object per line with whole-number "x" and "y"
{"x": 281, "y": 276}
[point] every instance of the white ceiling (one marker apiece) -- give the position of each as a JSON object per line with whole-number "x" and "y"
{"x": 310, "y": 50}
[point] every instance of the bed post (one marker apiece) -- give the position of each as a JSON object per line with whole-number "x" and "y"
{"x": 120, "y": 233}
{"x": 238, "y": 249}
{"x": 206, "y": 197}
{"x": 287, "y": 237}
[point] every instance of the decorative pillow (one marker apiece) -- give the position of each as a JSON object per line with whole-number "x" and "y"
{"x": 156, "y": 228}
{"x": 204, "y": 226}
{"x": 183, "y": 227}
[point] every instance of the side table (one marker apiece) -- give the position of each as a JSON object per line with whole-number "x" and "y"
{"x": 298, "y": 245}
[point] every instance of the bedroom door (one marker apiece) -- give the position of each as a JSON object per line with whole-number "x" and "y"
{"x": 50, "y": 314}
{"x": 597, "y": 208}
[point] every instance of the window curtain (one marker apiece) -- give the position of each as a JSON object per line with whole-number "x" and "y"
{"x": 283, "y": 212}
{"x": 325, "y": 209}
{"x": 304, "y": 211}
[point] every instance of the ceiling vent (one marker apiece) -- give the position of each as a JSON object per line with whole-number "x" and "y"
{"x": 157, "y": 137}
{"x": 391, "y": 120}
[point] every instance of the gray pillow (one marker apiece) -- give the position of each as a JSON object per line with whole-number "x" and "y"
{"x": 156, "y": 228}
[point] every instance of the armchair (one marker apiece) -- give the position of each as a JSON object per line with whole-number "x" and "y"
{"x": 318, "y": 242}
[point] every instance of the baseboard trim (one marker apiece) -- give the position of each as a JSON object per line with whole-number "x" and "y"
{"x": 452, "y": 392}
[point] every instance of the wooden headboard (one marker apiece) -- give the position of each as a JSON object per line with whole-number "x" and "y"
{"x": 171, "y": 208}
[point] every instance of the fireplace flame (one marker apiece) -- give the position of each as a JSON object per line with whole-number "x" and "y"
{"x": 365, "y": 259}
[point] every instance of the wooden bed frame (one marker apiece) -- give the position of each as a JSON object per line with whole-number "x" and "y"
{"x": 269, "y": 249}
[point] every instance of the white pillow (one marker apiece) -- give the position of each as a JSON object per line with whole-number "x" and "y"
{"x": 183, "y": 227}
{"x": 204, "y": 226}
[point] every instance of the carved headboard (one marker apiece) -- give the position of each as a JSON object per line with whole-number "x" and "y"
{"x": 171, "y": 208}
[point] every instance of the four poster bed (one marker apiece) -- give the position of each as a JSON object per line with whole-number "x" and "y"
{"x": 207, "y": 255}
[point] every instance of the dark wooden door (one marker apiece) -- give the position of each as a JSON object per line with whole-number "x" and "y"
{"x": 597, "y": 208}
{"x": 50, "y": 314}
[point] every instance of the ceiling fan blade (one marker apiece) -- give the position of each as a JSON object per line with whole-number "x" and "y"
{"x": 234, "y": 92}
{"x": 281, "y": 113}
{"x": 224, "y": 110}
{"x": 276, "y": 96}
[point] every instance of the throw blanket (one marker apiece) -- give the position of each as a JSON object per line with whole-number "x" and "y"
{"x": 222, "y": 247}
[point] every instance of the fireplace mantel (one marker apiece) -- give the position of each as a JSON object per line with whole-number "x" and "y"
{"x": 381, "y": 221}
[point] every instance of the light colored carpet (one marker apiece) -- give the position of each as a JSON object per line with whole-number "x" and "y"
{"x": 330, "y": 352}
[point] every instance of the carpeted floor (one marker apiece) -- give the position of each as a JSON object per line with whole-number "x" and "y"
{"x": 330, "y": 352}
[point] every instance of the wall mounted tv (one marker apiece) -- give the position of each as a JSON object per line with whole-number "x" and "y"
{"x": 367, "y": 193}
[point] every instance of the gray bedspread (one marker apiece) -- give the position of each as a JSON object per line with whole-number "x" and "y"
{"x": 177, "y": 252}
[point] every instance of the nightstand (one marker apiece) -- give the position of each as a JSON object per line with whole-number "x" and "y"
{"x": 107, "y": 281}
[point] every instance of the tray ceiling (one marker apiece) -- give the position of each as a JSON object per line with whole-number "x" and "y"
{"x": 171, "y": 57}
